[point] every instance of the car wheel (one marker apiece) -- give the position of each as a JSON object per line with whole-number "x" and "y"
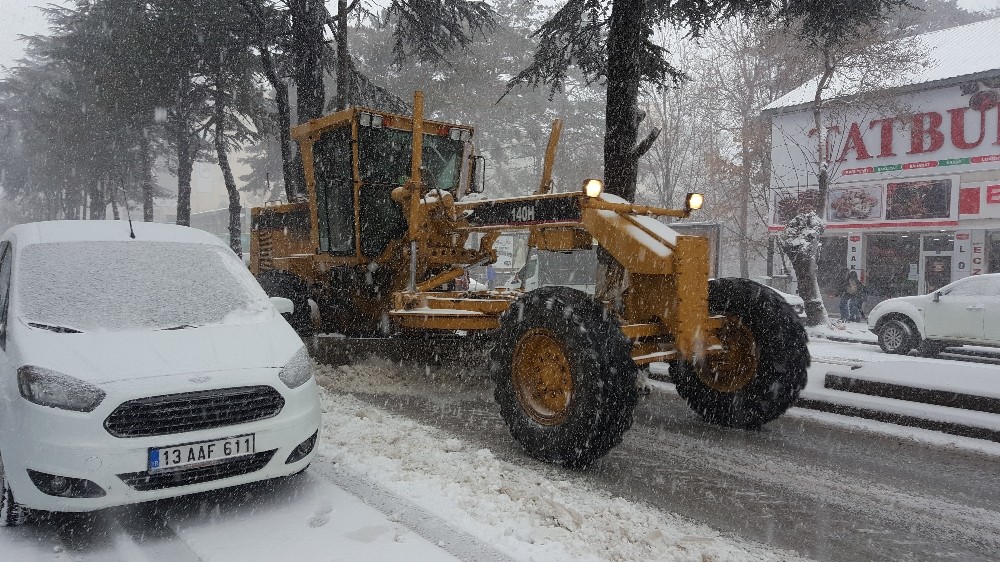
{"x": 895, "y": 336}
{"x": 12, "y": 513}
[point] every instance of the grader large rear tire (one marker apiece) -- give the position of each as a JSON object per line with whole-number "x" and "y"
{"x": 763, "y": 368}
{"x": 565, "y": 379}
{"x": 284, "y": 284}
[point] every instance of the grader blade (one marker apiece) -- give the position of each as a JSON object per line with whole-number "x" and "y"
{"x": 452, "y": 353}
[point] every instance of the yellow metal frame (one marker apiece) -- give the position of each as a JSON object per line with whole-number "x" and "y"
{"x": 664, "y": 309}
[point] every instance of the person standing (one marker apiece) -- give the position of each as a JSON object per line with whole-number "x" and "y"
{"x": 852, "y": 297}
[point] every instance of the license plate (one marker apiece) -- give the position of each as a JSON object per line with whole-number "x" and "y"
{"x": 200, "y": 453}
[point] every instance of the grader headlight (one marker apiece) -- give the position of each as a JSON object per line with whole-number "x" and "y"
{"x": 693, "y": 202}
{"x": 593, "y": 187}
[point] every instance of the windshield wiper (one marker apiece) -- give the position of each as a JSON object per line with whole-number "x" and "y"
{"x": 56, "y": 329}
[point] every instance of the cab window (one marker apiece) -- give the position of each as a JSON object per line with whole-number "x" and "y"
{"x": 334, "y": 175}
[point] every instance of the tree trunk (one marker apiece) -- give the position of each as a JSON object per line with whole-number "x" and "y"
{"x": 804, "y": 262}
{"x": 804, "y": 265}
{"x": 307, "y": 44}
{"x": 185, "y": 164}
{"x": 235, "y": 210}
{"x": 343, "y": 57}
{"x": 622, "y": 113}
{"x": 98, "y": 200}
{"x": 292, "y": 180}
{"x": 112, "y": 195}
{"x": 746, "y": 183}
{"x": 622, "y": 116}
{"x": 146, "y": 161}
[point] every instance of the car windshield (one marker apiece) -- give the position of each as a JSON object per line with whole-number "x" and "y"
{"x": 135, "y": 285}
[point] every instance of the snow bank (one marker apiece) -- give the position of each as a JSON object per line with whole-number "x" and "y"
{"x": 528, "y": 513}
{"x": 854, "y": 331}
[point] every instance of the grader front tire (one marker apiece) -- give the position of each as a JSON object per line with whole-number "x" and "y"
{"x": 763, "y": 368}
{"x": 565, "y": 379}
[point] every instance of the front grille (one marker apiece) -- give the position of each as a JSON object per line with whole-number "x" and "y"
{"x": 191, "y": 411}
{"x": 265, "y": 250}
{"x": 144, "y": 481}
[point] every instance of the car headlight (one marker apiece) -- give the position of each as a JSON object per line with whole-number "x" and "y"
{"x": 298, "y": 369}
{"x": 56, "y": 390}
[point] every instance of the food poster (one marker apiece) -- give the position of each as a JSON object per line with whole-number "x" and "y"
{"x": 854, "y": 204}
{"x": 788, "y": 204}
{"x": 919, "y": 200}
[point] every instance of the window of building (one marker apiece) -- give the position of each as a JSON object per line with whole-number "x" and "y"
{"x": 890, "y": 260}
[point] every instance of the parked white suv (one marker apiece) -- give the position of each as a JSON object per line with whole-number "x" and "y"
{"x": 964, "y": 312}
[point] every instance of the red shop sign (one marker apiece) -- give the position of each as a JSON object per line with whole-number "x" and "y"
{"x": 992, "y": 194}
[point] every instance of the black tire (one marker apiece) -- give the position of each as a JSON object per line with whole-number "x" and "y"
{"x": 339, "y": 316}
{"x": 603, "y": 394}
{"x": 930, "y": 348}
{"x": 896, "y": 335}
{"x": 287, "y": 285}
{"x": 780, "y": 344}
{"x": 12, "y": 513}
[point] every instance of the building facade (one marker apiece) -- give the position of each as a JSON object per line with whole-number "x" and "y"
{"x": 914, "y": 194}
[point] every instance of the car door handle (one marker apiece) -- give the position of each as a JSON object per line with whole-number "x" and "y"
{"x": 974, "y": 307}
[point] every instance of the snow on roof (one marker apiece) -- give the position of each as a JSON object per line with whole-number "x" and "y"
{"x": 88, "y": 230}
{"x": 951, "y": 53}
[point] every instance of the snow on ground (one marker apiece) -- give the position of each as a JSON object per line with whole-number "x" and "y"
{"x": 857, "y": 331}
{"x": 306, "y": 517}
{"x": 527, "y": 513}
{"x": 838, "y": 358}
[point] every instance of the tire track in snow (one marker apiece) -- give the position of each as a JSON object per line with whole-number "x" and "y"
{"x": 934, "y": 515}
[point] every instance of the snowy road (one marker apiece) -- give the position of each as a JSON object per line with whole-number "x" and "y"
{"x": 830, "y": 491}
{"x": 415, "y": 464}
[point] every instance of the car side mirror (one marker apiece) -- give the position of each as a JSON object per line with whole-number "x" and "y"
{"x": 937, "y": 296}
{"x": 282, "y": 305}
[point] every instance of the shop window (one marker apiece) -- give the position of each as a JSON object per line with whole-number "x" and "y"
{"x": 993, "y": 253}
{"x": 891, "y": 258}
{"x": 831, "y": 267}
{"x": 939, "y": 243}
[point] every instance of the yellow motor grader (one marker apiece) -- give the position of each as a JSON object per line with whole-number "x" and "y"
{"x": 394, "y": 217}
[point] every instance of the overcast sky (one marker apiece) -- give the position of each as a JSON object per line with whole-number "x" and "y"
{"x": 21, "y": 17}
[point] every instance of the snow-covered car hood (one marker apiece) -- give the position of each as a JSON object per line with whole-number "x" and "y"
{"x": 895, "y": 301}
{"x": 102, "y": 357}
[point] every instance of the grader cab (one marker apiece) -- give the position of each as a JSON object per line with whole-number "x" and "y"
{"x": 394, "y": 217}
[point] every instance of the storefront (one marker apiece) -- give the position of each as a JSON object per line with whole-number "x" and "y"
{"x": 914, "y": 194}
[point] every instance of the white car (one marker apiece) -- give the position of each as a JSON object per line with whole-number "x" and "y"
{"x": 794, "y": 301}
{"x": 134, "y": 369}
{"x": 964, "y": 312}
